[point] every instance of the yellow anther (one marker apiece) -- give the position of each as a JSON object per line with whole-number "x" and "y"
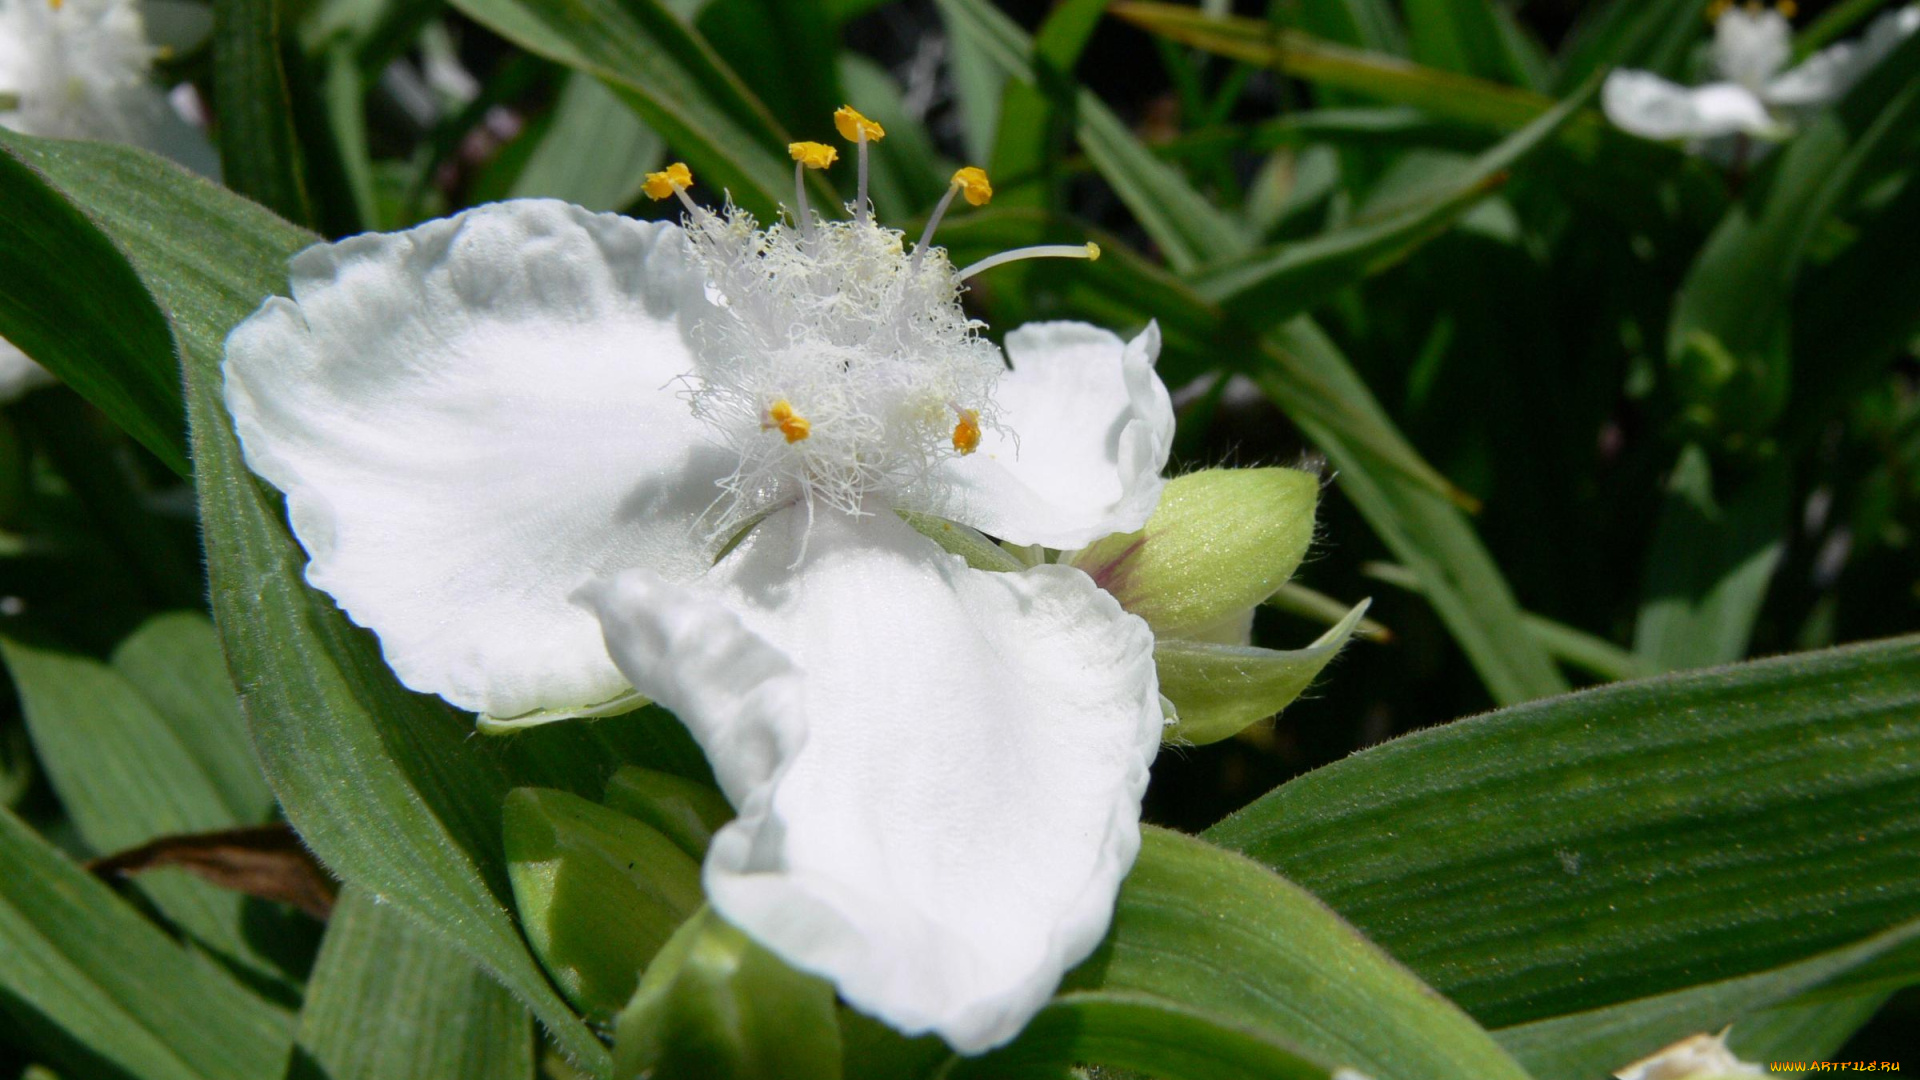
{"x": 850, "y": 124}
{"x": 1718, "y": 8}
{"x": 661, "y": 185}
{"x": 966, "y": 433}
{"x": 812, "y": 154}
{"x": 55, "y": 4}
{"x": 1093, "y": 251}
{"x": 1787, "y": 9}
{"x": 972, "y": 182}
{"x": 780, "y": 416}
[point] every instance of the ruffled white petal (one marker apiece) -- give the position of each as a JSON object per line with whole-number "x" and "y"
{"x": 470, "y": 419}
{"x": 1085, "y": 426}
{"x": 1831, "y": 72}
{"x": 1750, "y": 47}
{"x": 938, "y": 769}
{"x": 1653, "y": 108}
{"x": 19, "y": 374}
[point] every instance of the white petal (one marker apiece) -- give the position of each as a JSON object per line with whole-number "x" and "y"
{"x": 18, "y": 374}
{"x": 1750, "y": 47}
{"x": 1085, "y": 428}
{"x": 938, "y": 769}
{"x": 1653, "y": 108}
{"x": 469, "y": 420}
{"x": 1831, "y": 72}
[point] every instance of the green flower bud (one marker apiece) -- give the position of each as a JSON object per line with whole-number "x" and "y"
{"x": 1217, "y": 690}
{"x": 1220, "y": 542}
{"x": 716, "y": 1006}
{"x": 598, "y": 893}
{"x": 686, "y": 812}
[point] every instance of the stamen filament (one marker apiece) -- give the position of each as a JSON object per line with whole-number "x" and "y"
{"x": 860, "y": 206}
{"x": 1089, "y": 251}
{"x": 805, "y": 213}
{"x": 699, "y": 212}
{"x": 926, "y": 235}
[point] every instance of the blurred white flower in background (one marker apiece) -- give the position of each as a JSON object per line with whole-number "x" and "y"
{"x": 1755, "y": 92}
{"x": 82, "y": 69}
{"x": 523, "y": 445}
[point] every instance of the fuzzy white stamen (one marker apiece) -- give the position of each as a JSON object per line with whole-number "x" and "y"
{"x": 830, "y": 365}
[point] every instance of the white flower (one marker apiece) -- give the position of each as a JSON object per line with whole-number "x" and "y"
{"x": 1751, "y": 46}
{"x": 1696, "y": 1057}
{"x": 513, "y": 443}
{"x": 78, "y": 69}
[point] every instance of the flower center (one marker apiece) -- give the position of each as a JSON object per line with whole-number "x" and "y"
{"x": 835, "y": 362}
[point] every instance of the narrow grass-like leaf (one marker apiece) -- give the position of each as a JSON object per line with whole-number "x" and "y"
{"x": 1268, "y": 288}
{"x": 422, "y": 825}
{"x": 121, "y": 995}
{"x": 1592, "y": 1043}
{"x": 593, "y": 151}
{"x": 392, "y": 1000}
{"x": 259, "y": 151}
{"x": 1642, "y": 838}
{"x": 1154, "y": 1036}
{"x": 1190, "y": 229}
{"x": 1711, "y": 562}
{"x": 669, "y": 76}
{"x": 1467, "y": 36}
{"x": 108, "y": 341}
{"x": 1221, "y": 935}
{"x": 125, "y": 776}
{"x": 389, "y": 999}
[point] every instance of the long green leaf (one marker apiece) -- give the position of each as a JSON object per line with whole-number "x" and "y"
{"x": 668, "y": 75}
{"x": 421, "y": 827}
{"x": 1711, "y": 562}
{"x": 1219, "y": 934}
{"x": 1645, "y": 837}
{"x": 125, "y": 775}
{"x": 108, "y": 340}
{"x": 259, "y": 151}
{"x": 388, "y": 1000}
{"x": 1467, "y": 36}
{"x": 1135, "y": 1031}
{"x": 1190, "y": 229}
{"x": 594, "y": 152}
{"x": 1591, "y": 1043}
{"x": 104, "y": 986}
{"x": 1271, "y": 287}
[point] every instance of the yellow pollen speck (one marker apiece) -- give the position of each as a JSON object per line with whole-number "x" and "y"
{"x": 812, "y": 154}
{"x": 1718, "y": 8}
{"x": 972, "y": 182}
{"x": 55, "y": 4}
{"x": 661, "y": 185}
{"x": 848, "y": 121}
{"x": 1093, "y": 251}
{"x": 966, "y": 433}
{"x": 1787, "y": 9}
{"x": 780, "y": 415}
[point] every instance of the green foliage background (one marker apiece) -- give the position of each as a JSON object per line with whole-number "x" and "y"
{"x": 1594, "y": 412}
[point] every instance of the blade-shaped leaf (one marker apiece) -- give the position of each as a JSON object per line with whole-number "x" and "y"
{"x": 593, "y": 151}
{"x": 1711, "y": 562}
{"x": 389, "y": 999}
{"x": 1645, "y": 837}
{"x": 116, "y": 990}
{"x": 1220, "y": 934}
{"x": 108, "y": 341}
{"x": 668, "y": 75}
{"x": 1467, "y": 36}
{"x": 259, "y": 152}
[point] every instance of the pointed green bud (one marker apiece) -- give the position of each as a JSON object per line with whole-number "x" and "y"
{"x": 685, "y": 811}
{"x": 598, "y": 892}
{"x": 716, "y": 1006}
{"x": 1220, "y": 542}
{"x": 1217, "y": 690}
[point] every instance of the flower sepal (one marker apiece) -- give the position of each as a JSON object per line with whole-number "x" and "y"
{"x": 684, "y": 811}
{"x": 507, "y": 725}
{"x": 1220, "y": 542}
{"x": 598, "y": 893}
{"x": 716, "y": 1006}
{"x": 1217, "y": 690}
